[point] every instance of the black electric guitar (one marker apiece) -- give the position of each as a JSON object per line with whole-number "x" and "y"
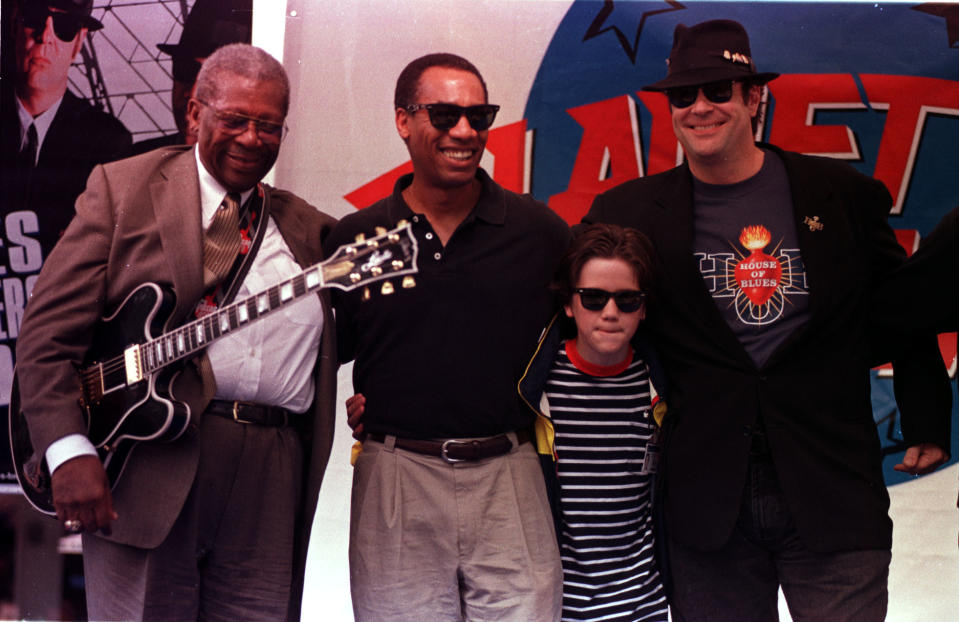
{"x": 128, "y": 373}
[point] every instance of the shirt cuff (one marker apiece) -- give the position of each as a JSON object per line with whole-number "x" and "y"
{"x": 66, "y": 448}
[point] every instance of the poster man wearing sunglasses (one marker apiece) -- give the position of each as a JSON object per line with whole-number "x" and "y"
{"x": 51, "y": 138}
{"x": 449, "y": 512}
{"x": 768, "y": 260}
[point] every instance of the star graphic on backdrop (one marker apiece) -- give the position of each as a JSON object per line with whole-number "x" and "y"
{"x": 951, "y": 14}
{"x": 598, "y": 27}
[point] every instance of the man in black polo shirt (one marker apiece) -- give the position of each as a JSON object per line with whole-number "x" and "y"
{"x": 449, "y": 511}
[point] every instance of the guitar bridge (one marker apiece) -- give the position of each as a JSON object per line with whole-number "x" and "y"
{"x": 131, "y": 363}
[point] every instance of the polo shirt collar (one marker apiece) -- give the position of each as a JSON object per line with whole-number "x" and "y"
{"x": 490, "y": 208}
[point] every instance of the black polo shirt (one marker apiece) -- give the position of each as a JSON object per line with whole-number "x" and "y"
{"x": 442, "y": 359}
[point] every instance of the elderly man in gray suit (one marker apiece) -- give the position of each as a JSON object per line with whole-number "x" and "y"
{"x": 214, "y": 524}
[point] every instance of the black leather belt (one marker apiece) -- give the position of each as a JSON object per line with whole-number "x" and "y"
{"x": 248, "y": 412}
{"x": 454, "y": 450}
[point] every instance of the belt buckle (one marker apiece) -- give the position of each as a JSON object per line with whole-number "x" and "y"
{"x": 236, "y": 414}
{"x": 445, "y": 449}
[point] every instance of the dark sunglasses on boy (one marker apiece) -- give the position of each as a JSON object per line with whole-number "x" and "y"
{"x": 65, "y": 25}
{"x": 627, "y": 300}
{"x": 445, "y": 116}
{"x": 716, "y": 92}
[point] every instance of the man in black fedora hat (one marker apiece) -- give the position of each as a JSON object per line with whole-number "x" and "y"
{"x": 210, "y": 25}
{"x": 767, "y": 262}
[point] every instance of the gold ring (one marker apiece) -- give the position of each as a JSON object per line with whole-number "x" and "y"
{"x": 73, "y": 526}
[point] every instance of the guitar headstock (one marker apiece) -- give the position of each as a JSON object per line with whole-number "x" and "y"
{"x": 368, "y": 260}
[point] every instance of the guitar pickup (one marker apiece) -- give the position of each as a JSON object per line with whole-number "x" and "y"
{"x": 131, "y": 362}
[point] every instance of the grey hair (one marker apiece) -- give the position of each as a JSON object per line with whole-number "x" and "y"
{"x": 247, "y": 61}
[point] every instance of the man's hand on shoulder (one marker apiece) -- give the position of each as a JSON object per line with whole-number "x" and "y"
{"x": 81, "y": 492}
{"x": 922, "y": 458}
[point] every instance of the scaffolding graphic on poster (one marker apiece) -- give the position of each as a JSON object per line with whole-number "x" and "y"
{"x": 120, "y": 70}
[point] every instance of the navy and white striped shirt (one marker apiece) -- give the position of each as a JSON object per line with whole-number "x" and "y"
{"x": 603, "y": 421}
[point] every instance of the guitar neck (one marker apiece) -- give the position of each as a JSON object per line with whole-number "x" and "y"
{"x": 187, "y": 340}
{"x": 389, "y": 254}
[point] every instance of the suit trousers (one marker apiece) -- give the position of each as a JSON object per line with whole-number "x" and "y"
{"x": 740, "y": 582}
{"x": 229, "y": 555}
{"x": 439, "y": 542}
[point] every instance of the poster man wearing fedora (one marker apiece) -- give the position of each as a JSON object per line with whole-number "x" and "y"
{"x": 772, "y": 473}
{"x": 210, "y": 25}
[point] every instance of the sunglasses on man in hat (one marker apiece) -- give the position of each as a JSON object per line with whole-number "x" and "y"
{"x": 69, "y": 16}
{"x": 709, "y": 56}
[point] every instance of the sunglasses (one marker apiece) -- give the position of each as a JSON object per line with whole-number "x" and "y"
{"x": 235, "y": 123}
{"x": 65, "y": 25}
{"x": 445, "y": 116}
{"x": 716, "y": 92}
{"x": 627, "y": 300}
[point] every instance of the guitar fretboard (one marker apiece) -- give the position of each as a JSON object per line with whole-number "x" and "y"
{"x": 198, "y": 334}
{"x": 391, "y": 253}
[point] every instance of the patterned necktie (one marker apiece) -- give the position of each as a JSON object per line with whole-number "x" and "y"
{"x": 222, "y": 241}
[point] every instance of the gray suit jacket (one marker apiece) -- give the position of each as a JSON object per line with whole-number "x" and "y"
{"x": 139, "y": 220}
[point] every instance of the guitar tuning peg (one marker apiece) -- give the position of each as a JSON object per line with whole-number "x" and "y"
{"x": 366, "y": 293}
{"x": 380, "y": 230}
{"x": 360, "y": 237}
{"x": 408, "y": 282}
{"x": 387, "y": 288}
{"x": 402, "y": 223}
{"x": 397, "y": 264}
{"x": 355, "y": 277}
{"x": 376, "y": 270}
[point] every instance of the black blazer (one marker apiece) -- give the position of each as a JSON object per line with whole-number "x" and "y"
{"x": 79, "y": 138}
{"x": 813, "y": 394}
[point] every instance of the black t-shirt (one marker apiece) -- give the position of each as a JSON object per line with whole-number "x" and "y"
{"x": 442, "y": 359}
{"x": 744, "y": 238}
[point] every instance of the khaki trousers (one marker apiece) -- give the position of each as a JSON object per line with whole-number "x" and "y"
{"x": 432, "y": 541}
